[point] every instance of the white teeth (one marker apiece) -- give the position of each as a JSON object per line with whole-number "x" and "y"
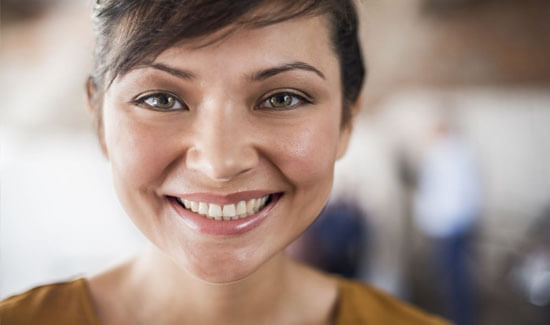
{"x": 187, "y": 204}
{"x": 194, "y": 206}
{"x": 257, "y": 204}
{"x": 228, "y": 211}
{"x": 250, "y": 205}
{"x": 203, "y": 208}
{"x": 215, "y": 211}
{"x": 241, "y": 208}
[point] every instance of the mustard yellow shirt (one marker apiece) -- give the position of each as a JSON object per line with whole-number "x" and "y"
{"x": 71, "y": 303}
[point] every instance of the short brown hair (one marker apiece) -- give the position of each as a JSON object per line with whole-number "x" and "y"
{"x": 129, "y": 31}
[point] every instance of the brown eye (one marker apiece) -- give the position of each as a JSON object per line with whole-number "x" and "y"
{"x": 283, "y": 100}
{"x": 161, "y": 101}
{"x": 280, "y": 100}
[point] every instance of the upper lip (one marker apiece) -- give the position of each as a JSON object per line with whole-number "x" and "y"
{"x": 224, "y": 198}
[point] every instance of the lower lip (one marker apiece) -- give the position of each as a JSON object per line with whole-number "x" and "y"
{"x": 222, "y": 227}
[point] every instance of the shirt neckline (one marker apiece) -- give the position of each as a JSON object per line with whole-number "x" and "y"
{"x": 93, "y": 317}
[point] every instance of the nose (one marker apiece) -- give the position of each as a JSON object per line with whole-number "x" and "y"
{"x": 222, "y": 146}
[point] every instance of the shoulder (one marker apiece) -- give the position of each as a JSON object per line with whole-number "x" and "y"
{"x": 360, "y": 303}
{"x": 58, "y": 303}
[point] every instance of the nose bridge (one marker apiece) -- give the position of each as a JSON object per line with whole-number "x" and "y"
{"x": 222, "y": 147}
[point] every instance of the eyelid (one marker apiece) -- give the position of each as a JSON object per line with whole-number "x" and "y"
{"x": 140, "y": 99}
{"x": 290, "y": 91}
{"x": 302, "y": 96}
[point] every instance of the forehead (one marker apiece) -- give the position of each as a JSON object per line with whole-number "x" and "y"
{"x": 304, "y": 39}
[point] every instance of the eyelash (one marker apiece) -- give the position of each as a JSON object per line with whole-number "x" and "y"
{"x": 296, "y": 100}
{"x": 142, "y": 101}
{"x": 301, "y": 100}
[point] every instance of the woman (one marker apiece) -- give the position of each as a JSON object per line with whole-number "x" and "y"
{"x": 222, "y": 122}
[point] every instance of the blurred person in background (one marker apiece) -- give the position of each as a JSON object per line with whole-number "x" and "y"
{"x": 447, "y": 208}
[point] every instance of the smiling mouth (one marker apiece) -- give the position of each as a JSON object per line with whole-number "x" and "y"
{"x": 234, "y": 211}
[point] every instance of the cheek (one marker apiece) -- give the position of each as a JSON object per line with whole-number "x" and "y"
{"x": 136, "y": 150}
{"x": 306, "y": 155}
{"x": 139, "y": 153}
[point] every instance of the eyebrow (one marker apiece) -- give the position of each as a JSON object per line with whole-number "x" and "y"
{"x": 270, "y": 72}
{"x": 257, "y": 76}
{"x": 179, "y": 73}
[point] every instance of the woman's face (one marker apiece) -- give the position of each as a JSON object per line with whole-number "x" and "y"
{"x": 223, "y": 154}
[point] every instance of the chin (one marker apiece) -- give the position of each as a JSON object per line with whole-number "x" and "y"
{"x": 223, "y": 267}
{"x": 222, "y": 274}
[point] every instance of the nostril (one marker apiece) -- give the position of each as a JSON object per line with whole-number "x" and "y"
{"x": 222, "y": 164}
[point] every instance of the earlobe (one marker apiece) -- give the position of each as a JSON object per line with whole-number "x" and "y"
{"x": 95, "y": 110}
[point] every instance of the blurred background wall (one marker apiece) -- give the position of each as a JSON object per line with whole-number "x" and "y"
{"x": 480, "y": 66}
{"x": 59, "y": 216}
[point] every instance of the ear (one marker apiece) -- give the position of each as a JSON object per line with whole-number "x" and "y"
{"x": 91, "y": 92}
{"x": 94, "y": 106}
{"x": 346, "y": 129}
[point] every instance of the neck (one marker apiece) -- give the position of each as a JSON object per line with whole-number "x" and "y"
{"x": 169, "y": 290}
